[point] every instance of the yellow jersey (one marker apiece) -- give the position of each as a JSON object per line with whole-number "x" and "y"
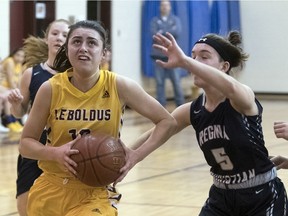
{"x": 73, "y": 111}
{"x": 17, "y": 72}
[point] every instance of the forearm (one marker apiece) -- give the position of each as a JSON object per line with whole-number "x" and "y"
{"x": 143, "y": 138}
{"x": 158, "y": 136}
{"x": 18, "y": 110}
{"x": 214, "y": 77}
{"x": 31, "y": 148}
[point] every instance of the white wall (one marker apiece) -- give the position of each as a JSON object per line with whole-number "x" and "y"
{"x": 4, "y": 28}
{"x": 126, "y": 38}
{"x": 71, "y": 10}
{"x": 265, "y": 30}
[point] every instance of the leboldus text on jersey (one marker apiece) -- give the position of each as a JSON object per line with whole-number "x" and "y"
{"x": 83, "y": 114}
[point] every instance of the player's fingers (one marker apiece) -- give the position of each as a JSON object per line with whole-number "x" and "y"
{"x": 280, "y": 166}
{"x": 171, "y": 38}
{"x": 159, "y": 38}
{"x": 279, "y": 135}
{"x": 74, "y": 141}
{"x": 120, "y": 178}
{"x": 277, "y": 126}
{"x": 161, "y": 63}
{"x": 278, "y": 122}
{"x": 70, "y": 162}
{"x": 122, "y": 143}
{"x": 73, "y": 171}
{"x": 73, "y": 151}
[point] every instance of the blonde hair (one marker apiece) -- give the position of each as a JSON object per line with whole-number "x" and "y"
{"x": 36, "y": 51}
{"x": 36, "y": 48}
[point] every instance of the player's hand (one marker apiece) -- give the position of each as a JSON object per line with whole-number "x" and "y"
{"x": 169, "y": 47}
{"x": 63, "y": 153}
{"x": 15, "y": 96}
{"x": 280, "y": 162}
{"x": 131, "y": 160}
{"x": 281, "y": 129}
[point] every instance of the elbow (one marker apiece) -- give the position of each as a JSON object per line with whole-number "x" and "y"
{"x": 232, "y": 90}
{"x": 173, "y": 125}
{"x": 21, "y": 148}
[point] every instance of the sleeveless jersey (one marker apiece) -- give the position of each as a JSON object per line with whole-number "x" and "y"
{"x": 73, "y": 111}
{"x": 232, "y": 143}
{"x": 39, "y": 76}
{"x": 16, "y": 73}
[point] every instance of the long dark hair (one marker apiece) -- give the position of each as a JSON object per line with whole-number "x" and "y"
{"x": 61, "y": 62}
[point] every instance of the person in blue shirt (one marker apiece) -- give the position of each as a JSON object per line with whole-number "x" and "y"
{"x": 166, "y": 22}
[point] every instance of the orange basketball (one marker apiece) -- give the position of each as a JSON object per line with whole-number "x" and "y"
{"x": 99, "y": 160}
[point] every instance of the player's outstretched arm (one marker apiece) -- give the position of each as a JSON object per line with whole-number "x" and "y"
{"x": 280, "y": 162}
{"x": 281, "y": 129}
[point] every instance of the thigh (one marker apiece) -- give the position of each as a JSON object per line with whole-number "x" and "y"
{"x": 22, "y": 204}
{"x": 217, "y": 204}
{"x": 92, "y": 209}
{"x": 27, "y": 172}
{"x": 45, "y": 199}
{"x": 267, "y": 199}
{"x": 93, "y": 203}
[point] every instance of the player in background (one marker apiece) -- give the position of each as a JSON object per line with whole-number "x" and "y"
{"x": 13, "y": 68}
{"x": 227, "y": 120}
{"x": 82, "y": 98}
{"x": 40, "y": 55}
{"x": 4, "y": 104}
{"x": 9, "y": 79}
{"x": 281, "y": 131}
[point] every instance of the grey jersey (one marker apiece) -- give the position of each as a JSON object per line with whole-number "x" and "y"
{"x": 232, "y": 143}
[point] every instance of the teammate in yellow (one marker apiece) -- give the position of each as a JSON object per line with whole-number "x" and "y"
{"x": 12, "y": 68}
{"x": 79, "y": 100}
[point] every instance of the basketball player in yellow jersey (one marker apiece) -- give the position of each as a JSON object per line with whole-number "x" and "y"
{"x": 66, "y": 117}
{"x": 81, "y": 100}
{"x": 12, "y": 69}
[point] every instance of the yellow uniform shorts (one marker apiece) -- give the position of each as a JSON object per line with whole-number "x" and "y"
{"x": 51, "y": 196}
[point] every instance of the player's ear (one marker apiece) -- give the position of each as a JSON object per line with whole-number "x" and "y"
{"x": 104, "y": 53}
{"x": 226, "y": 66}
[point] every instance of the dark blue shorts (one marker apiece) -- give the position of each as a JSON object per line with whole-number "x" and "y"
{"x": 27, "y": 171}
{"x": 267, "y": 199}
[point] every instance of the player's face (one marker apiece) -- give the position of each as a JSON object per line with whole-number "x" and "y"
{"x": 207, "y": 55}
{"x": 19, "y": 57}
{"x": 85, "y": 50}
{"x": 57, "y": 36}
{"x": 165, "y": 8}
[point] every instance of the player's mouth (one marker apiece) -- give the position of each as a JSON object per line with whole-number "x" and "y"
{"x": 83, "y": 58}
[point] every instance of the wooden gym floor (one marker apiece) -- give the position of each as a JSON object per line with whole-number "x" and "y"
{"x": 173, "y": 180}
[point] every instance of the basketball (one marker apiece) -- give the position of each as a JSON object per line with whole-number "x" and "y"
{"x": 99, "y": 160}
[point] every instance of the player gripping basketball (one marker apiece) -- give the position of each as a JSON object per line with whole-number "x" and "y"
{"x": 83, "y": 99}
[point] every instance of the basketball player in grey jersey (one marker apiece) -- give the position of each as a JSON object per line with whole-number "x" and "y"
{"x": 227, "y": 119}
